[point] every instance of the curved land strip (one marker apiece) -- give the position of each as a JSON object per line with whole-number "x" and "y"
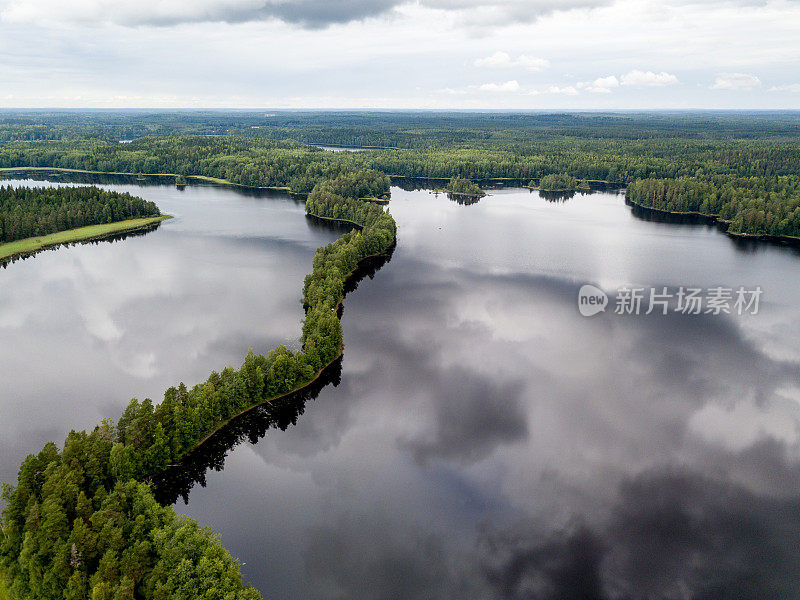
{"x": 90, "y": 233}
{"x": 132, "y": 560}
{"x": 317, "y": 376}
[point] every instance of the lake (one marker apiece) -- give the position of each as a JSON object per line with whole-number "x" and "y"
{"x": 484, "y": 440}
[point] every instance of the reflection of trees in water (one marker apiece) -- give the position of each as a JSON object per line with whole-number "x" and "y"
{"x": 657, "y": 216}
{"x": 748, "y": 245}
{"x": 557, "y": 196}
{"x": 177, "y": 481}
{"x": 143, "y": 181}
{"x": 412, "y": 184}
{"x": 111, "y": 237}
{"x": 315, "y": 222}
{"x": 463, "y": 199}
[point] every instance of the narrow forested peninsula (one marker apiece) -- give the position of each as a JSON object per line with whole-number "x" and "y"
{"x": 83, "y": 523}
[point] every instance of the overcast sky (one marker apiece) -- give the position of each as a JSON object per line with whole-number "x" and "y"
{"x": 512, "y": 54}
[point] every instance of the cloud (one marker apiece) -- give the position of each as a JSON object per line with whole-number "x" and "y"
{"x": 736, "y": 81}
{"x": 472, "y": 416}
{"x": 502, "y": 60}
{"x": 561, "y": 566}
{"x": 601, "y": 85}
{"x": 792, "y": 87}
{"x": 672, "y": 534}
{"x": 312, "y": 14}
{"x": 488, "y": 13}
{"x": 648, "y": 79}
{"x": 508, "y": 86}
{"x": 565, "y": 91}
{"x": 306, "y": 13}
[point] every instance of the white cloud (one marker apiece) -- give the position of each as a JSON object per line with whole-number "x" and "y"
{"x": 503, "y": 60}
{"x": 452, "y": 91}
{"x": 491, "y": 13}
{"x": 508, "y": 86}
{"x": 736, "y": 81}
{"x": 648, "y": 79}
{"x": 791, "y": 87}
{"x": 601, "y": 85}
{"x": 565, "y": 91}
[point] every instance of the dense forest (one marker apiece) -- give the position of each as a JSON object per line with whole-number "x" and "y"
{"x": 276, "y": 149}
{"x": 459, "y": 185}
{"x": 83, "y": 522}
{"x": 752, "y": 205}
{"x": 31, "y": 211}
{"x": 397, "y": 129}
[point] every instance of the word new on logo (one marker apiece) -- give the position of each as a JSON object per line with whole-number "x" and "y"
{"x": 591, "y": 300}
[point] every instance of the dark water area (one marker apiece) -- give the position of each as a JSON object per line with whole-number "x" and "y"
{"x": 480, "y": 438}
{"x": 86, "y": 328}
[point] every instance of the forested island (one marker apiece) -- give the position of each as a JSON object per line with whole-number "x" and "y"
{"x": 560, "y": 182}
{"x": 464, "y": 187}
{"x": 82, "y": 521}
{"x": 32, "y": 218}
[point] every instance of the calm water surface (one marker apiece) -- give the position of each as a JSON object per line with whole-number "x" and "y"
{"x": 485, "y": 440}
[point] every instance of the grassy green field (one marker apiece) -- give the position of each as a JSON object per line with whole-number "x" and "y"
{"x": 81, "y": 234}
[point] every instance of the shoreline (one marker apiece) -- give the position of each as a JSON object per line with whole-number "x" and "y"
{"x": 25, "y": 247}
{"x": 714, "y": 219}
{"x": 343, "y": 221}
{"x": 206, "y": 178}
{"x": 722, "y": 225}
{"x": 298, "y": 389}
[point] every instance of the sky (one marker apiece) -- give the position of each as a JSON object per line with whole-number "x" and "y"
{"x": 384, "y": 54}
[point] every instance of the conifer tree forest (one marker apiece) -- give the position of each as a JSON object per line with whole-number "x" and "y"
{"x": 31, "y": 211}
{"x": 81, "y": 521}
